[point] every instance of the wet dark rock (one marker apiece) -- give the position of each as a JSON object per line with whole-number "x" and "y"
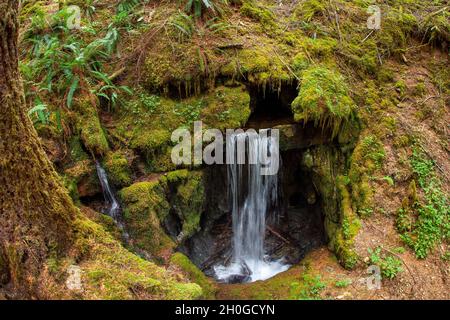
{"x": 238, "y": 278}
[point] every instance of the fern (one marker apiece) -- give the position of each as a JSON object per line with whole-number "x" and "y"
{"x": 200, "y": 7}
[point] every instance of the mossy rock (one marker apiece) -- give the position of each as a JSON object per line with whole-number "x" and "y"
{"x": 195, "y": 275}
{"x": 187, "y": 199}
{"x": 109, "y": 271}
{"x": 89, "y": 126}
{"x": 118, "y": 168}
{"x": 145, "y": 206}
{"x": 260, "y": 65}
{"x": 324, "y": 99}
{"x": 366, "y": 159}
{"x": 151, "y": 130}
{"x": 81, "y": 179}
{"x": 77, "y": 152}
{"x": 343, "y": 240}
{"x": 227, "y": 108}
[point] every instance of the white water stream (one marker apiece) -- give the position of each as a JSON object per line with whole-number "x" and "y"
{"x": 252, "y": 195}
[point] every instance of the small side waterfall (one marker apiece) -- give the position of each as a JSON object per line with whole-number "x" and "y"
{"x": 114, "y": 210}
{"x": 253, "y": 197}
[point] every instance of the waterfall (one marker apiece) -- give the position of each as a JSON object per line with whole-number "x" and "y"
{"x": 253, "y": 197}
{"x": 114, "y": 210}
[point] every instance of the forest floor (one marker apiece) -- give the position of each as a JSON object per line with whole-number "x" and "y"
{"x": 320, "y": 276}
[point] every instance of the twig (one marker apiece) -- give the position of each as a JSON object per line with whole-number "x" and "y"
{"x": 277, "y": 234}
{"x": 367, "y": 37}
{"x": 336, "y": 19}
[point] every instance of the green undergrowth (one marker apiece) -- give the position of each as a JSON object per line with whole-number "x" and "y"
{"x": 309, "y": 288}
{"x": 390, "y": 266}
{"x": 423, "y": 219}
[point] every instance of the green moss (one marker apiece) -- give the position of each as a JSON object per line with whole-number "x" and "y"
{"x": 320, "y": 47}
{"x": 308, "y": 9}
{"x": 301, "y": 281}
{"x": 259, "y": 65}
{"x": 118, "y": 169}
{"x": 227, "y": 108}
{"x": 258, "y": 12}
{"x": 145, "y": 206}
{"x": 324, "y": 161}
{"x": 76, "y": 149}
{"x": 400, "y": 86}
{"x": 90, "y": 129}
{"x": 105, "y": 221}
{"x": 81, "y": 179}
{"x": 71, "y": 186}
{"x": 149, "y": 131}
{"x": 366, "y": 159}
{"x": 177, "y": 176}
{"x": 324, "y": 99}
{"x": 187, "y": 199}
{"x": 111, "y": 272}
{"x": 397, "y": 26}
{"x": 195, "y": 275}
{"x": 348, "y": 229}
{"x": 300, "y": 62}
{"x": 420, "y": 89}
{"x": 362, "y": 57}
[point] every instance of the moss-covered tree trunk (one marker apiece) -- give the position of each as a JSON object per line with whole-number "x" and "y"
{"x": 35, "y": 210}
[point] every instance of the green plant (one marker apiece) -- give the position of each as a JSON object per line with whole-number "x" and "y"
{"x": 389, "y": 265}
{"x": 39, "y": 113}
{"x": 324, "y": 99}
{"x": 200, "y": 7}
{"x": 183, "y": 26}
{"x": 309, "y": 288}
{"x": 343, "y": 283}
{"x": 423, "y": 223}
{"x": 189, "y": 112}
{"x": 389, "y": 180}
{"x": 61, "y": 62}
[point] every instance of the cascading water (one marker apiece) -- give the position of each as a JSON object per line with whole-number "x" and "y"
{"x": 114, "y": 210}
{"x": 253, "y": 196}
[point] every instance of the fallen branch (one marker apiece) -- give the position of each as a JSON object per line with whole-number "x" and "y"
{"x": 277, "y": 234}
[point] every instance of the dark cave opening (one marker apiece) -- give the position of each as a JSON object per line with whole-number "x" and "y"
{"x": 298, "y": 228}
{"x": 271, "y": 107}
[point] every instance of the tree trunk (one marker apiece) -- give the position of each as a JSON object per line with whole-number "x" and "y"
{"x": 36, "y": 213}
